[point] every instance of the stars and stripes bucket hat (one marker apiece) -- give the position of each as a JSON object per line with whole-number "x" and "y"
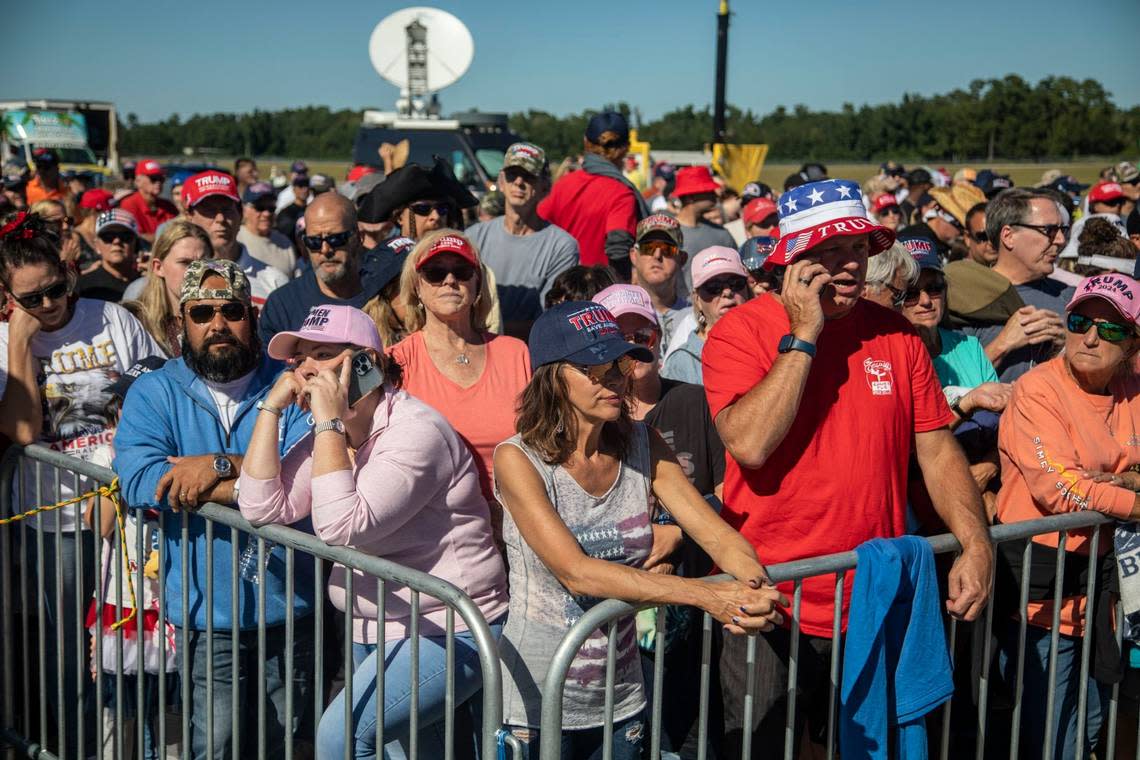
{"x": 817, "y": 211}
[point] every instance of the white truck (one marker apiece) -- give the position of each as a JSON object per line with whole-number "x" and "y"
{"x": 84, "y": 133}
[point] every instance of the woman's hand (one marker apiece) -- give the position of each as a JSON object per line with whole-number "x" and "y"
{"x": 743, "y": 608}
{"x": 1129, "y": 479}
{"x": 286, "y": 390}
{"x": 327, "y": 393}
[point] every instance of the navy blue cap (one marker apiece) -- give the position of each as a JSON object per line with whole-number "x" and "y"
{"x": 581, "y": 332}
{"x": 257, "y": 191}
{"x": 755, "y": 251}
{"x": 607, "y": 121}
{"x": 991, "y": 183}
{"x": 1068, "y": 185}
{"x": 137, "y": 370}
{"x": 922, "y": 250}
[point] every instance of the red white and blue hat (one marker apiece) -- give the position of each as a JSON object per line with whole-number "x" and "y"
{"x": 818, "y": 211}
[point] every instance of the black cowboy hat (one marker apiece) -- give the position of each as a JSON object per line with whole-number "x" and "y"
{"x": 410, "y": 183}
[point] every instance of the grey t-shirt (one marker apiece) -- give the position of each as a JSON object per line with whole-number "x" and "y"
{"x": 524, "y": 265}
{"x": 699, "y": 238}
{"x": 1045, "y": 293}
{"x": 614, "y": 527}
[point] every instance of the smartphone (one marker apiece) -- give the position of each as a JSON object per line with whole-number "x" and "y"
{"x": 364, "y": 378}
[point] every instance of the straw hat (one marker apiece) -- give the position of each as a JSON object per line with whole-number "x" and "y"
{"x": 956, "y": 200}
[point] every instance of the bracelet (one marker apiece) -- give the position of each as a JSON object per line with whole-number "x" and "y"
{"x": 264, "y": 407}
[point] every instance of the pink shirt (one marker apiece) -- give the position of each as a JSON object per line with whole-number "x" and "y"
{"x": 412, "y": 497}
{"x": 484, "y": 414}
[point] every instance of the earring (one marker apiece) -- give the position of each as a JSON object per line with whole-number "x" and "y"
{"x": 559, "y": 429}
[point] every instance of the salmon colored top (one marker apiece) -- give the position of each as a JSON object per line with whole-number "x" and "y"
{"x": 1050, "y": 433}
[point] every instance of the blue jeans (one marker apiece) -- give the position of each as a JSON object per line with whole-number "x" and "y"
{"x": 245, "y": 670}
{"x": 66, "y": 655}
{"x": 1036, "y": 690}
{"x": 331, "y": 734}
{"x": 586, "y": 744}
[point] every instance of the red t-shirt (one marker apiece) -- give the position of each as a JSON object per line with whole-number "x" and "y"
{"x": 148, "y": 220}
{"x": 588, "y": 206}
{"x": 839, "y": 476}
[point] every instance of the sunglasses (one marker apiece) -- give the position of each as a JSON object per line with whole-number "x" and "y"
{"x": 424, "y": 208}
{"x": 934, "y": 290}
{"x": 623, "y": 366}
{"x": 979, "y": 237}
{"x": 714, "y": 288}
{"x": 512, "y": 173}
{"x": 654, "y": 247}
{"x": 1110, "y": 331}
{"x": 1114, "y": 203}
{"x": 645, "y": 336}
{"x": 335, "y": 240}
{"x": 613, "y": 144}
{"x": 1048, "y": 230}
{"x": 110, "y": 237}
{"x": 893, "y": 210}
{"x": 263, "y": 208}
{"x": 435, "y": 274}
{"x": 35, "y": 300}
{"x": 202, "y": 313}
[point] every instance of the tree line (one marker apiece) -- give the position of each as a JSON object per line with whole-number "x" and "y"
{"x": 1006, "y": 118}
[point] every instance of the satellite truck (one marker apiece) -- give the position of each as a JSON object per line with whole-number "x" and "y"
{"x": 84, "y": 133}
{"x": 421, "y": 50}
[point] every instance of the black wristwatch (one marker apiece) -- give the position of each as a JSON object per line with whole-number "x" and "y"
{"x": 223, "y": 467}
{"x": 791, "y": 343}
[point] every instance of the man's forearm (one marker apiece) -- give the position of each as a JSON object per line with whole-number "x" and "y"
{"x": 775, "y": 400}
{"x": 954, "y": 493}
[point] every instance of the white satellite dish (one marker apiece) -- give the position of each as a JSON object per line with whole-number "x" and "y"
{"x": 420, "y": 50}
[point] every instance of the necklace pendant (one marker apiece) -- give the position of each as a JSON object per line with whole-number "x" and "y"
{"x": 462, "y": 359}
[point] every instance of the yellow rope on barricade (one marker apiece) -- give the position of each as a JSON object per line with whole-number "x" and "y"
{"x": 111, "y": 492}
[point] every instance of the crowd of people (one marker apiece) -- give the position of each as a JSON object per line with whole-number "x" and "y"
{"x": 582, "y": 390}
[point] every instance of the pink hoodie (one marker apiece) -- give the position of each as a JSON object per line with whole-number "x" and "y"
{"x": 413, "y": 498}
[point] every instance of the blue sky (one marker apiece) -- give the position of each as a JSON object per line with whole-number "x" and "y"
{"x": 157, "y": 58}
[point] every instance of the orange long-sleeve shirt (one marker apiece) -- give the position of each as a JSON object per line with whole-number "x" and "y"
{"x": 1050, "y": 433}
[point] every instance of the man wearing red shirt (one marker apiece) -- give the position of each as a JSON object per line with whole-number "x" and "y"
{"x": 818, "y": 396}
{"x": 144, "y": 204}
{"x": 598, "y": 206}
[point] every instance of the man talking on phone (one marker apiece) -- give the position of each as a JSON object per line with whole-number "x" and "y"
{"x": 818, "y": 395}
{"x": 180, "y": 444}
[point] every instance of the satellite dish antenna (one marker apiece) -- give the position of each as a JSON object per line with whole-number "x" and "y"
{"x": 420, "y": 50}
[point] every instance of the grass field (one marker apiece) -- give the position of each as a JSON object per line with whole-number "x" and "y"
{"x": 774, "y": 173}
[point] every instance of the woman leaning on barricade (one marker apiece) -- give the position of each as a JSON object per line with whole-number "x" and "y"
{"x": 577, "y": 483}
{"x": 1068, "y": 442}
{"x": 450, "y": 360}
{"x": 385, "y": 474}
{"x": 181, "y": 243}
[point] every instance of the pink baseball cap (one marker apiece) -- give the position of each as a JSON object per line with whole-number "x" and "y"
{"x": 1120, "y": 290}
{"x": 329, "y": 323}
{"x": 714, "y": 260}
{"x": 627, "y": 299}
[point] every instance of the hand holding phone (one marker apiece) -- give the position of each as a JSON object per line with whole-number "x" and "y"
{"x": 804, "y": 284}
{"x": 364, "y": 377}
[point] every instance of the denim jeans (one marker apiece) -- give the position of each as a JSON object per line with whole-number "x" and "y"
{"x": 586, "y": 744}
{"x": 245, "y": 670}
{"x": 1035, "y": 692}
{"x": 66, "y": 655}
{"x": 331, "y": 734}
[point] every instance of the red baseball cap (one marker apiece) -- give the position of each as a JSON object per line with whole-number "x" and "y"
{"x": 96, "y": 199}
{"x": 204, "y": 184}
{"x": 1105, "y": 191}
{"x": 149, "y": 167}
{"x": 693, "y": 180}
{"x": 757, "y": 210}
{"x": 358, "y": 171}
{"x": 456, "y": 244}
{"x": 882, "y": 201}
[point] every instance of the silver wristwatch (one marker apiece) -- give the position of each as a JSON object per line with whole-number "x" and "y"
{"x": 333, "y": 424}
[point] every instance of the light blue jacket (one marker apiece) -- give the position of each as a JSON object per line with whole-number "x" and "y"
{"x": 169, "y": 412}
{"x": 684, "y": 364}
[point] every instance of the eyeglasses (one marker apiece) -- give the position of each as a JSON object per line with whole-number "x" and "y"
{"x": 654, "y": 247}
{"x": 645, "y": 336}
{"x": 435, "y": 274}
{"x": 201, "y": 313}
{"x": 934, "y": 290}
{"x": 623, "y": 365}
{"x": 424, "y": 208}
{"x": 1110, "y": 331}
{"x": 35, "y": 300}
{"x": 110, "y": 237}
{"x": 979, "y": 237}
{"x": 1048, "y": 230}
{"x": 714, "y": 288}
{"x": 335, "y": 240}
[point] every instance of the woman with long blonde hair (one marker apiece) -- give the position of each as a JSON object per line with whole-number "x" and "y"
{"x": 180, "y": 243}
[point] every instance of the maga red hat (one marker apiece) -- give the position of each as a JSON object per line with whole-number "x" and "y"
{"x": 1105, "y": 191}
{"x": 757, "y": 210}
{"x": 204, "y": 184}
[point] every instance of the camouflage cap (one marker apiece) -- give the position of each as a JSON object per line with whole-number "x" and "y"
{"x": 236, "y": 288}
{"x": 664, "y": 225}
{"x": 527, "y": 156}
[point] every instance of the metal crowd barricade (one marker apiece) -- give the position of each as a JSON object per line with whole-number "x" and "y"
{"x": 27, "y": 726}
{"x": 606, "y": 615}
